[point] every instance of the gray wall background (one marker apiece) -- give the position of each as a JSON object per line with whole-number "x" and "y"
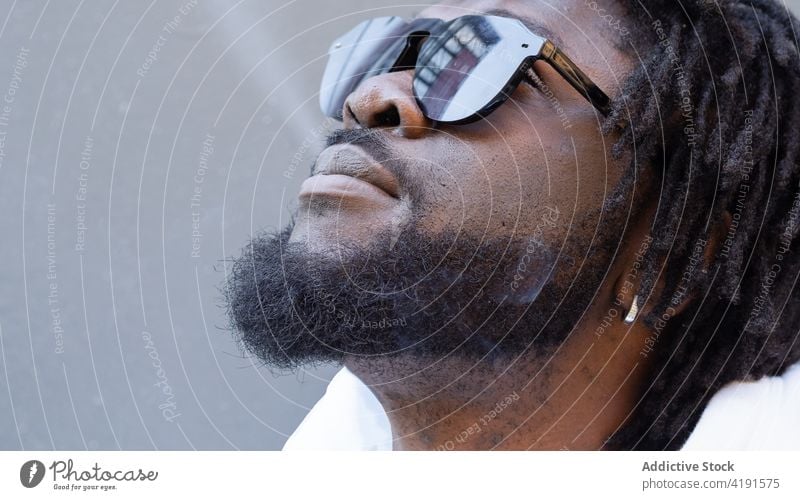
{"x": 85, "y": 331}
{"x": 141, "y": 143}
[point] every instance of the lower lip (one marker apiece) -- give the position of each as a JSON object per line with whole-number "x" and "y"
{"x": 339, "y": 186}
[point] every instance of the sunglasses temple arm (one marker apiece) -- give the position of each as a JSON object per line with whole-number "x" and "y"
{"x": 577, "y": 78}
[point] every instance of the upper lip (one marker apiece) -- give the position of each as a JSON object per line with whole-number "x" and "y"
{"x": 353, "y": 161}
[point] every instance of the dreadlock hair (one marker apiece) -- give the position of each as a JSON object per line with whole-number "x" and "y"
{"x": 712, "y": 111}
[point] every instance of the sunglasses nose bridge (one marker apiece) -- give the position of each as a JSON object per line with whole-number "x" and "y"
{"x": 408, "y": 57}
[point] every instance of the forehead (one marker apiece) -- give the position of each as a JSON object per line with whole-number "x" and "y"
{"x": 589, "y": 32}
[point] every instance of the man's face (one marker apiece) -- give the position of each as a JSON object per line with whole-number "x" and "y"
{"x": 491, "y": 178}
{"x": 456, "y": 226}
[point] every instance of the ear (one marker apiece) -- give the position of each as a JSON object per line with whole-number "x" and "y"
{"x": 628, "y": 281}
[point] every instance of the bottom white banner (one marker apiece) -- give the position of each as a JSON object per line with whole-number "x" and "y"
{"x": 103, "y": 474}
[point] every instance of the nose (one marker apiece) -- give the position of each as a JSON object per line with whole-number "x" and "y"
{"x": 386, "y": 101}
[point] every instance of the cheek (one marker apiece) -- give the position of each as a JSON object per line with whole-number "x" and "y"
{"x": 461, "y": 186}
{"x": 569, "y": 168}
{"x": 485, "y": 181}
{"x": 535, "y": 172}
{"x": 494, "y": 187}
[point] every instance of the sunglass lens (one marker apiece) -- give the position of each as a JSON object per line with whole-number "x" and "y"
{"x": 371, "y": 48}
{"x": 465, "y": 67}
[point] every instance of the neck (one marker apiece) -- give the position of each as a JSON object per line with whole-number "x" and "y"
{"x": 575, "y": 398}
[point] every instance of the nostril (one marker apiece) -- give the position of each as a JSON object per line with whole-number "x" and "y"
{"x": 348, "y": 111}
{"x": 390, "y": 117}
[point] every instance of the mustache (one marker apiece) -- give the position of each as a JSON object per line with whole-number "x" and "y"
{"x": 370, "y": 140}
{"x": 364, "y": 137}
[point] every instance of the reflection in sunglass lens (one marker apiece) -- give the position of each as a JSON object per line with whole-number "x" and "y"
{"x": 465, "y": 67}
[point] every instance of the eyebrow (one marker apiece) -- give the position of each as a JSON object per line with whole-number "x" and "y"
{"x": 534, "y": 25}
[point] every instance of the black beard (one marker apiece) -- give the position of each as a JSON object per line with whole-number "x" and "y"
{"x": 408, "y": 295}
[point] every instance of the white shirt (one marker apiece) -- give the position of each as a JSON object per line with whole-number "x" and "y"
{"x": 761, "y": 415}
{"x": 347, "y": 417}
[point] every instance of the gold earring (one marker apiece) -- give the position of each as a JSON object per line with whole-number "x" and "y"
{"x": 633, "y": 311}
